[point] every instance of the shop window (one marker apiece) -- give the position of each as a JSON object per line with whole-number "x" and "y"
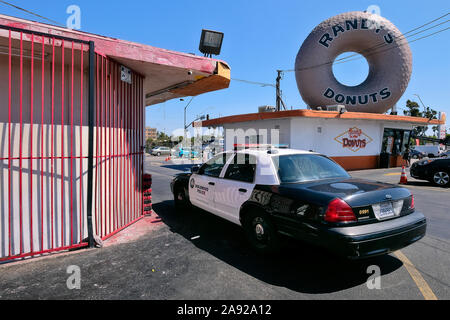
{"x": 395, "y": 141}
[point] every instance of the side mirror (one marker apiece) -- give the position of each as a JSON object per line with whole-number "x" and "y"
{"x": 195, "y": 168}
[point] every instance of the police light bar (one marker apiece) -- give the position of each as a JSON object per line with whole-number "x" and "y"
{"x": 281, "y": 146}
{"x": 250, "y": 145}
{"x": 259, "y": 146}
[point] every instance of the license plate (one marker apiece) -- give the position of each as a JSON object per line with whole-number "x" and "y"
{"x": 386, "y": 210}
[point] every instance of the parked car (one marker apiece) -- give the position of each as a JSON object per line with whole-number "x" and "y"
{"x": 436, "y": 171}
{"x": 445, "y": 154}
{"x": 304, "y": 195}
{"x": 415, "y": 154}
{"x": 187, "y": 153}
{"x": 161, "y": 151}
{"x": 430, "y": 151}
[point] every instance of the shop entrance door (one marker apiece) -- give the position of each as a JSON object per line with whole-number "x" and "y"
{"x": 394, "y": 144}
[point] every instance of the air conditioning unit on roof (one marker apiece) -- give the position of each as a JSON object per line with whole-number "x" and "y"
{"x": 266, "y": 109}
{"x": 336, "y": 107}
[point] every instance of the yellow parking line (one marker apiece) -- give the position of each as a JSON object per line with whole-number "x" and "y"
{"x": 393, "y": 174}
{"x": 416, "y": 276}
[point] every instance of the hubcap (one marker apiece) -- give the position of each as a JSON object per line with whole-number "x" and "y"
{"x": 258, "y": 224}
{"x": 259, "y": 229}
{"x": 441, "y": 178}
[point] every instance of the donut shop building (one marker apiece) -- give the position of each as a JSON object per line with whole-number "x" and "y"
{"x": 355, "y": 140}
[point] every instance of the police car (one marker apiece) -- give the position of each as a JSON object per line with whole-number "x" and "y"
{"x": 272, "y": 192}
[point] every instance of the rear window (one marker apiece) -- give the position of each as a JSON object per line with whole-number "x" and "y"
{"x": 307, "y": 167}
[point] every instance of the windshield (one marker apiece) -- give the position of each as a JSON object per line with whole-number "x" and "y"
{"x": 307, "y": 167}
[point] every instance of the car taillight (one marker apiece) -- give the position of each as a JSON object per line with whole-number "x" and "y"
{"x": 411, "y": 206}
{"x": 339, "y": 211}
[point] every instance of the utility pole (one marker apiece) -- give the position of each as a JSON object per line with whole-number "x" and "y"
{"x": 184, "y": 136}
{"x": 394, "y": 109}
{"x": 279, "y": 100}
{"x": 424, "y": 108}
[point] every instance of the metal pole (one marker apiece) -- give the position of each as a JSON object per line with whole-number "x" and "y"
{"x": 279, "y": 100}
{"x": 277, "y": 103}
{"x": 184, "y": 131}
{"x": 424, "y": 108}
{"x": 91, "y": 141}
{"x": 184, "y": 137}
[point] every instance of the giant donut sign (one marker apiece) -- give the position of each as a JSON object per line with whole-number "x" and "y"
{"x": 377, "y": 39}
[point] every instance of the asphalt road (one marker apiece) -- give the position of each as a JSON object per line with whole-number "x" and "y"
{"x": 195, "y": 255}
{"x": 310, "y": 273}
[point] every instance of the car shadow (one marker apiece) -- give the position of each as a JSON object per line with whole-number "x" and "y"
{"x": 298, "y": 266}
{"x": 419, "y": 183}
{"x": 179, "y": 167}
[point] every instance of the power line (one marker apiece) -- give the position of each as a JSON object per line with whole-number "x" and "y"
{"x": 348, "y": 60}
{"x": 385, "y": 45}
{"x": 404, "y": 35}
{"x": 380, "y": 45}
{"x": 30, "y": 12}
{"x": 399, "y": 45}
{"x": 254, "y": 82}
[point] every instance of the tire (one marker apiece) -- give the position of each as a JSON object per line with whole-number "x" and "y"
{"x": 261, "y": 233}
{"x": 180, "y": 200}
{"x": 158, "y": 154}
{"x": 441, "y": 178}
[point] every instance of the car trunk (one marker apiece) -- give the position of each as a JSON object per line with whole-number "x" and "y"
{"x": 371, "y": 201}
{"x": 358, "y": 192}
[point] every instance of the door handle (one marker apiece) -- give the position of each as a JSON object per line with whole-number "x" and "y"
{"x": 211, "y": 183}
{"x": 243, "y": 190}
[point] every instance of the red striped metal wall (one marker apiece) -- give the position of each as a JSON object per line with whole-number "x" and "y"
{"x": 44, "y": 131}
{"x": 118, "y": 149}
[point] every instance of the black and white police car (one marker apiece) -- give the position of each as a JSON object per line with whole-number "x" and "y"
{"x": 305, "y": 195}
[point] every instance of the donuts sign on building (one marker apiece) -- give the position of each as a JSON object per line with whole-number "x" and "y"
{"x": 374, "y": 37}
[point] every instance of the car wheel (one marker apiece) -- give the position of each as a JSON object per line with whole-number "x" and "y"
{"x": 441, "y": 178}
{"x": 158, "y": 154}
{"x": 261, "y": 233}
{"x": 181, "y": 202}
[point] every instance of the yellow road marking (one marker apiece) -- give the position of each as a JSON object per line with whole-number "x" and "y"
{"x": 416, "y": 276}
{"x": 393, "y": 174}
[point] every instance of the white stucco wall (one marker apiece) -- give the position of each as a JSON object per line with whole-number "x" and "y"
{"x": 318, "y": 134}
{"x": 322, "y": 133}
{"x": 261, "y": 127}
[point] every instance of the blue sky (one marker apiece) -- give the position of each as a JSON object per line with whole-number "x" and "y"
{"x": 260, "y": 37}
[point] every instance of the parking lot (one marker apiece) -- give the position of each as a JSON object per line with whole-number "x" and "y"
{"x": 309, "y": 270}
{"x": 195, "y": 255}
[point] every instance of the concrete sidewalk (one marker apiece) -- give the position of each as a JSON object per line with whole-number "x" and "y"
{"x": 127, "y": 267}
{"x": 389, "y": 175}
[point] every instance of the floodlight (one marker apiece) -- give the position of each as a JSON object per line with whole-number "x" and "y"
{"x": 211, "y": 42}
